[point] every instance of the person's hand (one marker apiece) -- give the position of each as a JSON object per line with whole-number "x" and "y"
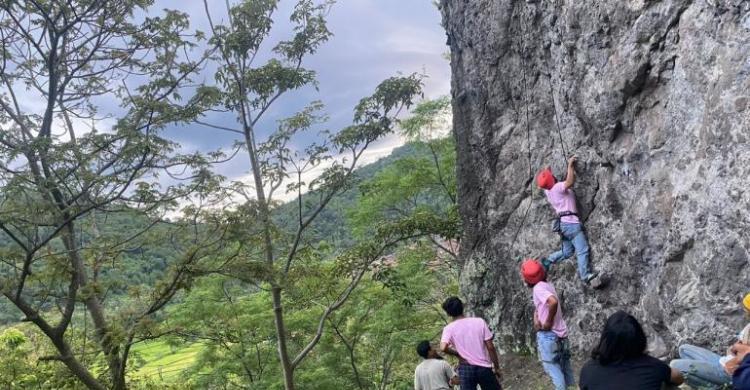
{"x": 498, "y": 374}
{"x": 741, "y": 350}
{"x": 572, "y": 160}
{"x": 731, "y": 366}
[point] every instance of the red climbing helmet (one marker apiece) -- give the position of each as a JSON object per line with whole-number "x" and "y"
{"x": 545, "y": 179}
{"x": 532, "y": 271}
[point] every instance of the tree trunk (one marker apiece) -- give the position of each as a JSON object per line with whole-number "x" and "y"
{"x": 278, "y": 319}
{"x": 101, "y": 329}
{"x": 278, "y": 314}
{"x": 75, "y": 367}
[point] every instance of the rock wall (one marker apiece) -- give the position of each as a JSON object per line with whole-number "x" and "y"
{"x": 654, "y": 98}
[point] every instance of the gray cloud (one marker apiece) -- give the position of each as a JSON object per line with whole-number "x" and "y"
{"x": 373, "y": 40}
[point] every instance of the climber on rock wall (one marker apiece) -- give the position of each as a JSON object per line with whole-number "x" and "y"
{"x": 563, "y": 200}
{"x": 551, "y": 330}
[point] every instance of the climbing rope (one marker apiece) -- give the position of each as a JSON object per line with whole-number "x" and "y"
{"x": 522, "y": 55}
{"x": 522, "y": 52}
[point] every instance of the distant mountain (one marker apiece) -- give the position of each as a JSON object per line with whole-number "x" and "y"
{"x": 143, "y": 265}
{"x": 331, "y": 225}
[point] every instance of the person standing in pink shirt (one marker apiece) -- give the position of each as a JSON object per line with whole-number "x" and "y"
{"x": 551, "y": 330}
{"x": 562, "y": 198}
{"x": 470, "y": 339}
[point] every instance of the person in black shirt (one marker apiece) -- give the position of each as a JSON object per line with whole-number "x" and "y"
{"x": 741, "y": 376}
{"x": 620, "y": 362}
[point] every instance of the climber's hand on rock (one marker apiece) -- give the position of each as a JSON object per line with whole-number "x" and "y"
{"x": 572, "y": 160}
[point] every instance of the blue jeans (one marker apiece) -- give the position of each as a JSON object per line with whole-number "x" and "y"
{"x": 573, "y": 237}
{"x": 701, "y": 368}
{"x": 555, "y": 356}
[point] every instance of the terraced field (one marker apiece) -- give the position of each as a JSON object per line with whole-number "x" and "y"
{"x": 164, "y": 362}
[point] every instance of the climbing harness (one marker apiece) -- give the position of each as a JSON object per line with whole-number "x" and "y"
{"x": 556, "y": 228}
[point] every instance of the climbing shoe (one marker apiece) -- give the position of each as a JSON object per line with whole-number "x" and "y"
{"x": 546, "y": 263}
{"x": 596, "y": 281}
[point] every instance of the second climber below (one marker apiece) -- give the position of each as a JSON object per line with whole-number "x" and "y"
{"x": 563, "y": 200}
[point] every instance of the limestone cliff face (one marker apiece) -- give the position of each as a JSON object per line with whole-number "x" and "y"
{"x": 654, "y": 98}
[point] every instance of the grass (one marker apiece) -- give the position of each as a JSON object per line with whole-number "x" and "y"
{"x": 164, "y": 362}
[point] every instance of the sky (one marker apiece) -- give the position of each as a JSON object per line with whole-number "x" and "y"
{"x": 373, "y": 40}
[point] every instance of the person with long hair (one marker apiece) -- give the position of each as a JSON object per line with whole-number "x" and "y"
{"x": 620, "y": 361}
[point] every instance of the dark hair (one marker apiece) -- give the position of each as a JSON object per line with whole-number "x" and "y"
{"x": 423, "y": 348}
{"x": 622, "y": 338}
{"x": 453, "y": 306}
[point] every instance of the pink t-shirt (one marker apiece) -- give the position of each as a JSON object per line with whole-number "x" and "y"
{"x": 542, "y": 291}
{"x": 467, "y": 337}
{"x": 563, "y": 199}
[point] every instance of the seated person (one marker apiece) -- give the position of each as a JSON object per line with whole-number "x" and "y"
{"x": 620, "y": 361}
{"x": 707, "y": 370}
{"x": 433, "y": 373}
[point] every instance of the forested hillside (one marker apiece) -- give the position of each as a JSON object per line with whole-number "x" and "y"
{"x": 143, "y": 264}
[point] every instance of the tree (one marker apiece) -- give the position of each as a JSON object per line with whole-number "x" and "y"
{"x": 248, "y": 90}
{"x": 67, "y": 162}
{"x": 416, "y": 186}
{"x": 386, "y": 317}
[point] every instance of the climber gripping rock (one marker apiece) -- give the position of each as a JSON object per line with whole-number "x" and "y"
{"x": 563, "y": 200}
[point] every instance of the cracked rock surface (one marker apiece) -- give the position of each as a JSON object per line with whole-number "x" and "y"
{"x": 654, "y": 99}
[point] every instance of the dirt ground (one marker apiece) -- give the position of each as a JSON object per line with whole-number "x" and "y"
{"x": 525, "y": 373}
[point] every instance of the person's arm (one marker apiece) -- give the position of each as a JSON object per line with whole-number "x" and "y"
{"x": 450, "y": 375}
{"x": 732, "y": 364}
{"x": 446, "y": 348}
{"x": 675, "y": 377}
{"x": 537, "y": 323}
{"x": 552, "y": 303}
{"x": 570, "y": 179}
{"x": 493, "y": 356}
{"x": 445, "y": 343}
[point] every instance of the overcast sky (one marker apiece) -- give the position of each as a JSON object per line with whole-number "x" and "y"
{"x": 373, "y": 40}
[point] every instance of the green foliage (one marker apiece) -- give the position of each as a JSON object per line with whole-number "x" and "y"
{"x": 423, "y": 183}
{"x": 427, "y": 117}
{"x": 395, "y": 307}
{"x": 67, "y": 179}
{"x": 16, "y": 370}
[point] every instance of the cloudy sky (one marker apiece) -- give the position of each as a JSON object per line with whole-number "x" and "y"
{"x": 373, "y": 40}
